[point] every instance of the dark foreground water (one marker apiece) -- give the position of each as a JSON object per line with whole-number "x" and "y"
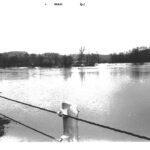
{"x": 116, "y": 95}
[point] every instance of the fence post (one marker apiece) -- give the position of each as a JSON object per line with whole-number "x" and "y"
{"x": 70, "y": 126}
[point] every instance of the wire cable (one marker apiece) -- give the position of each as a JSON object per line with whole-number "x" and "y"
{"x": 30, "y": 105}
{"x": 110, "y": 128}
{"x": 83, "y": 120}
{"x": 49, "y": 136}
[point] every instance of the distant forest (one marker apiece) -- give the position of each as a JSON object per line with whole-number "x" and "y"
{"x": 136, "y": 55}
{"x": 23, "y": 59}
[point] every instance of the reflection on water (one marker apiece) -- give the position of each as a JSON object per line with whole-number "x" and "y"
{"x": 66, "y": 72}
{"x": 82, "y": 74}
{"x": 14, "y": 74}
{"x": 134, "y": 71}
{"x": 89, "y": 71}
{"x": 111, "y": 94}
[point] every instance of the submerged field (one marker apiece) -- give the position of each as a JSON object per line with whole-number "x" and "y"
{"x": 116, "y": 95}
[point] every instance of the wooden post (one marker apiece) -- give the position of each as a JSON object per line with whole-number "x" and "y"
{"x": 70, "y": 126}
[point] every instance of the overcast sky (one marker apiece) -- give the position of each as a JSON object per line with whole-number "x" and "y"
{"x": 103, "y": 26}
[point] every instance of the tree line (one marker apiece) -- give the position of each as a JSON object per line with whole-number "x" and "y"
{"x": 136, "y": 55}
{"x": 23, "y": 59}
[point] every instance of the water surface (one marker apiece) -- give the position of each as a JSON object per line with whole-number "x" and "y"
{"x": 116, "y": 95}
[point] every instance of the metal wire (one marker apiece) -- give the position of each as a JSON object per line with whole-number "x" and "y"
{"x": 49, "y": 136}
{"x": 30, "y": 105}
{"x": 83, "y": 120}
{"x": 111, "y": 128}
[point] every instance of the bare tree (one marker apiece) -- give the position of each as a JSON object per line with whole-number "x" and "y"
{"x": 81, "y": 56}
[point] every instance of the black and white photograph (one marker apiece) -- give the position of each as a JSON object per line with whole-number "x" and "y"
{"x": 74, "y": 71}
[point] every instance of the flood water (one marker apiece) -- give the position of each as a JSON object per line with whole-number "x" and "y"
{"x": 116, "y": 95}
